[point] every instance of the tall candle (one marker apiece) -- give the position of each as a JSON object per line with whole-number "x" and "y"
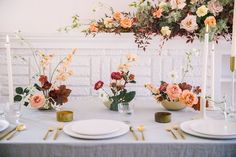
{"x": 204, "y": 73}
{"x": 9, "y": 69}
{"x": 213, "y": 73}
{"x": 233, "y": 48}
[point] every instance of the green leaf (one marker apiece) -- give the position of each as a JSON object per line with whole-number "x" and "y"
{"x": 129, "y": 96}
{"x": 19, "y": 90}
{"x": 132, "y": 81}
{"x": 17, "y": 98}
{"x": 26, "y": 91}
{"x": 26, "y": 103}
{"x": 122, "y": 94}
{"x": 37, "y": 87}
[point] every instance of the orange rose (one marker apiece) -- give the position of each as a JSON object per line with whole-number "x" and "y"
{"x": 210, "y": 21}
{"x": 37, "y": 100}
{"x": 126, "y": 23}
{"x": 188, "y": 98}
{"x": 93, "y": 27}
{"x": 157, "y": 13}
{"x": 117, "y": 15}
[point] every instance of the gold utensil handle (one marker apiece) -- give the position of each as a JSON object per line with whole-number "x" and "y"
{"x": 172, "y": 132}
{"x": 46, "y": 135}
{"x": 135, "y": 136}
{"x": 181, "y": 134}
{"x": 56, "y": 135}
{"x": 11, "y": 135}
{"x": 143, "y": 138}
{"x": 232, "y": 63}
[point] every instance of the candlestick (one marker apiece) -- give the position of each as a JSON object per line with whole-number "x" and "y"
{"x": 204, "y": 74}
{"x": 9, "y": 69}
{"x": 232, "y": 69}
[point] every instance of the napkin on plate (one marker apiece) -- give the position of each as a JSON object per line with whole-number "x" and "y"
{"x": 8, "y": 130}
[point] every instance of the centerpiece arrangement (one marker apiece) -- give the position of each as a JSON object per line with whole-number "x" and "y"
{"x": 168, "y": 18}
{"x": 48, "y": 90}
{"x": 119, "y": 81}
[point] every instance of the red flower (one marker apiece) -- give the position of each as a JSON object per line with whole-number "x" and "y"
{"x": 43, "y": 79}
{"x": 163, "y": 86}
{"x": 116, "y": 76}
{"x": 131, "y": 77}
{"x": 98, "y": 85}
{"x": 60, "y": 95}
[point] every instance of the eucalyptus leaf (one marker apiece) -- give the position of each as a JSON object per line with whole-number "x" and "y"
{"x": 19, "y": 90}
{"x": 17, "y": 98}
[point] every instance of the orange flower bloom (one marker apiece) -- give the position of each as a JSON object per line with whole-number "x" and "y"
{"x": 117, "y": 16}
{"x": 210, "y": 21}
{"x": 93, "y": 27}
{"x": 37, "y": 100}
{"x": 157, "y": 13}
{"x": 126, "y": 23}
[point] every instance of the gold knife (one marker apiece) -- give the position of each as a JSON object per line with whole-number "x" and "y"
{"x": 134, "y": 134}
{"x": 7, "y": 133}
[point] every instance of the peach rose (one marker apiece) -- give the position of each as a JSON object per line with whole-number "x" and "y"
{"x": 93, "y": 27}
{"x": 188, "y": 98}
{"x": 157, "y": 13}
{"x": 210, "y": 21}
{"x": 117, "y": 16}
{"x": 173, "y": 91}
{"x": 189, "y": 23}
{"x": 126, "y": 23}
{"x": 37, "y": 100}
{"x": 177, "y": 4}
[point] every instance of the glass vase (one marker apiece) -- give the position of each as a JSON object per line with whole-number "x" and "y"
{"x": 126, "y": 110}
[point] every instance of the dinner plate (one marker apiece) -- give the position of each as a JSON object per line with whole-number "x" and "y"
{"x": 96, "y": 127}
{"x": 124, "y": 128}
{"x": 214, "y": 127}
{"x": 185, "y": 126}
{"x": 3, "y": 125}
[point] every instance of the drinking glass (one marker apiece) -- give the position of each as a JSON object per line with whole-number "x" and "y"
{"x": 13, "y": 112}
{"x": 2, "y": 106}
{"x": 126, "y": 110}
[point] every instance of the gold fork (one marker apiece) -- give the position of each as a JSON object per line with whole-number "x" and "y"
{"x": 57, "y": 133}
{"x": 176, "y": 127}
{"x": 133, "y": 132}
{"x": 48, "y": 131}
{"x": 172, "y": 132}
{"x": 141, "y": 129}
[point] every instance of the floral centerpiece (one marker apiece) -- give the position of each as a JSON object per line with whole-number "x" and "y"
{"x": 119, "y": 81}
{"x": 169, "y": 18}
{"x": 175, "y": 96}
{"x": 48, "y": 90}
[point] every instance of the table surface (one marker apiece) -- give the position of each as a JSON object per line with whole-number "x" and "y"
{"x": 158, "y": 141}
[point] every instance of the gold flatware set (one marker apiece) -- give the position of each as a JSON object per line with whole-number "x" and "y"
{"x": 175, "y": 129}
{"x": 140, "y": 129}
{"x": 51, "y": 130}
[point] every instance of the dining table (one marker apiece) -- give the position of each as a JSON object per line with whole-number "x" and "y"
{"x": 158, "y": 142}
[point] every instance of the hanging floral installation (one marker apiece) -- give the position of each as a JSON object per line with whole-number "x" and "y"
{"x": 168, "y": 19}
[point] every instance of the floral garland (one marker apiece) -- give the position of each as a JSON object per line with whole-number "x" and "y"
{"x": 169, "y": 18}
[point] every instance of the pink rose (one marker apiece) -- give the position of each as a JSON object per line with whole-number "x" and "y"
{"x": 215, "y": 7}
{"x": 173, "y": 91}
{"x": 188, "y": 98}
{"x": 37, "y": 100}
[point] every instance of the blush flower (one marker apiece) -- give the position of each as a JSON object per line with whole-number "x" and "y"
{"x": 126, "y": 23}
{"x": 108, "y": 22}
{"x": 173, "y": 91}
{"x": 37, "y": 100}
{"x": 93, "y": 27}
{"x": 117, "y": 15}
{"x": 210, "y": 21}
{"x": 124, "y": 67}
{"x": 215, "y": 7}
{"x": 188, "y": 98}
{"x": 189, "y": 23}
{"x": 98, "y": 85}
{"x": 116, "y": 76}
{"x": 177, "y": 4}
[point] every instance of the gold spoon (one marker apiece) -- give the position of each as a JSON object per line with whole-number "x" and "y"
{"x": 134, "y": 134}
{"x": 19, "y": 127}
{"x": 48, "y": 131}
{"x": 176, "y": 127}
{"x": 171, "y": 131}
{"x": 141, "y": 129}
{"x": 57, "y": 133}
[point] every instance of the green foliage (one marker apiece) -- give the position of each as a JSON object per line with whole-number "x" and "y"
{"x": 17, "y": 98}
{"x": 19, "y": 90}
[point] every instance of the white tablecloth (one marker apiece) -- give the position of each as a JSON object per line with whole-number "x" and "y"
{"x": 159, "y": 143}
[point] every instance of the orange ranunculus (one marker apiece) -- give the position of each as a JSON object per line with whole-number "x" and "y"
{"x": 157, "y": 13}
{"x": 117, "y": 16}
{"x": 188, "y": 98}
{"x": 93, "y": 27}
{"x": 210, "y": 21}
{"x": 37, "y": 100}
{"x": 126, "y": 23}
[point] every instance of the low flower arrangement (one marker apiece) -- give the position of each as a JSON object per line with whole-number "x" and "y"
{"x": 119, "y": 81}
{"x": 168, "y": 18}
{"x": 175, "y": 94}
{"x": 48, "y": 90}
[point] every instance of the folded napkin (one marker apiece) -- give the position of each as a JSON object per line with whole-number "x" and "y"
{"x": 8, "y": 130}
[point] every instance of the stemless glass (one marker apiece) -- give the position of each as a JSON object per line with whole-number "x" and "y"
{"x": 13, "y": 112}
{"x": 2, "y": 106}
{"x": 126, "y": 110}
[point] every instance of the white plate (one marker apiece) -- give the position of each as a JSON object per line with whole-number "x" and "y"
{"x": 185, "y": 126}
{"x": 124, "y": 128}
{"x": 214, "y": 127}
{"x": 96, "y": 127}
{"x": 3, "y": 125}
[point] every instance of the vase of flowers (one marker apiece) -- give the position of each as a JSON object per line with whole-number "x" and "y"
{"x": 48, "y": 91}
{"x": 175, "y": 96}
{"x": 119, "y": 81}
